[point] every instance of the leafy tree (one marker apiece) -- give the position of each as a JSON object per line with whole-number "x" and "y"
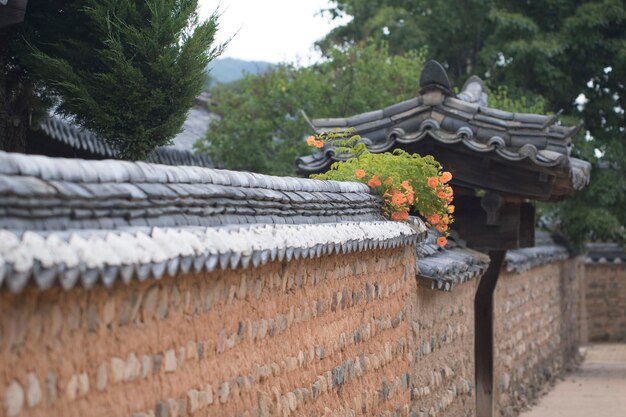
{"x": 452, "y": 30}
{"x": 501, "y": 98}
{"x": 261, "y": 128}
{"x": 126, "y": 70}
{"x": 559, "y": 50}
{"x": 547, "y": 48}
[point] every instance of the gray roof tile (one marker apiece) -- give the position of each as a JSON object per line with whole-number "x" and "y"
{"x": 545, "y": 251}
{"x": 605, "y": 252}
{"x": 445, "y": 268}
{"x": 150, "y": 194}
{"x": 91, "y": 257}
{"x": 529, "y": 139}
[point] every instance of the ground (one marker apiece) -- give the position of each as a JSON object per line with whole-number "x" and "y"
{"x": 597, "y": 388}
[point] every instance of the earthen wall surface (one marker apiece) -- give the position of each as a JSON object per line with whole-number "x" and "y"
{"x": 345, "y": 334}
{"x": 605, "y": 300}
{"x": 537, "y": 333}
{"x": 443, "y": 356}
{"x": 309, "y": 337}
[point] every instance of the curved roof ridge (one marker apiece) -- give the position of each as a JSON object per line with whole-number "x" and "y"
{"x": 474, "y": 91}
{"x": 532, "y": 141}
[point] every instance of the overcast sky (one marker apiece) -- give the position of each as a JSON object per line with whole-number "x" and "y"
{"x": 270, "y": 30}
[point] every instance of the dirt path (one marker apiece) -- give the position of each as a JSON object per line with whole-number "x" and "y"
{"x": 597, "y": 389}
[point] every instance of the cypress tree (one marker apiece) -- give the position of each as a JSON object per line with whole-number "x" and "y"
{"x": 126, "y": 70}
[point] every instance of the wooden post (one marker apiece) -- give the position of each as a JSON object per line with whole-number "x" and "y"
{"x": 483, "y": 335}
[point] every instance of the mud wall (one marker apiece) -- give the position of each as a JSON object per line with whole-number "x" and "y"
{"x": 537, "y": 333}
{"x": 307, "y": 337}
{"x": 605, "y": 299}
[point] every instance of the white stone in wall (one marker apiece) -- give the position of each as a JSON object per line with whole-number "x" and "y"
{"x": 14, "y": 399}
{"x": 72, "y": 388}
{"x": 33, "y": 390}
{"x": 83, "y": 384}
{"x": 170, "y": 360}
{"x": 117, "y": 369}
{"x": 132, "y": 368}
{"x": 101, "y": 377}
{"x": 146, "y": 366}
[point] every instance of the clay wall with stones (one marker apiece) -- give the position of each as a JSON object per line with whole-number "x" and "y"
{"x": 536, "y": 331}
{"x": 442, "y": 331}
{"x": 306, "y": 337}
{"x": 605, "y": 301}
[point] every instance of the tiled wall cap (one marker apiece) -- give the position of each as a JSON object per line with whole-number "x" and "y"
{"x": 86, "y": 257}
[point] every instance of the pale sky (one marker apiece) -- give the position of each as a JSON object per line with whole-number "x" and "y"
{"x": 270, "y": 30}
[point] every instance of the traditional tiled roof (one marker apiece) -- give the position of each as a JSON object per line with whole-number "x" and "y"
{"x": 605, "y": 253}
{"x": 77, "y": 222}
{"x": 528, "y": 141}
{"x": 180, "y": 152}
{"x": 41, "y": 193}
{"x": 444, "y": 268}
{"x": 544, "y": 252}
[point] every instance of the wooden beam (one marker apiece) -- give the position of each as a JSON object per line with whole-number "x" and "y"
{"x": 489, "y": 171}
{"x": 527, "y": 225}
{"x": 482, "y": 233}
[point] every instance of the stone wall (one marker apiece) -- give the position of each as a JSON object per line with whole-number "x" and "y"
{"x": 443, "y": 338}
{"x": 536, "y": 331}
{"x": 288, "y": 338}
{"x": 344, "y": 334}
{"x": 605, "y": 300}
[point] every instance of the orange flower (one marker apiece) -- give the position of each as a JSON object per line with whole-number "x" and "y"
{"x": 400, "y": 215}
{"x": 389, "y": 181}
{"x": 442, "y": 227}
{"x": 311, "y": 141}
{"x": 406, "y": 186}
{"x": 318, "y": 144}
{"x": 359, "y": 173}
{"x": 445, "y": 177}
{"x": 445, "y": 219}
{"x": 441, "y": 194}
{"x": 433, "y": 182}
{"x": 397, "y": 198}
{"x": 450, "y": 209}
{"x": 442, "y": 241}
{"x": 410, "y": 197}
{"x": 448, "y": 190}
{"x": 374, "y": 181}
{"x": 433, "y": 219}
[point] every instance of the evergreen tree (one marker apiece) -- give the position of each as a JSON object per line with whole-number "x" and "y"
{"x": 126, "y": 70}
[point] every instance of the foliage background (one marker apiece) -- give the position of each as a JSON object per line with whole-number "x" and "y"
{"x": 261, "y": 128}
{"x": 548, "y": 51}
